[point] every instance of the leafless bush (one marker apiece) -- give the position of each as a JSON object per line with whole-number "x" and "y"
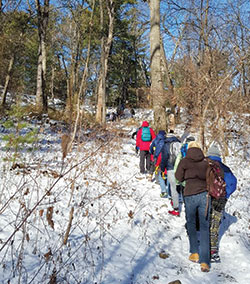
{"x": 212, "y": 108}
{"x": 74, "y": 197}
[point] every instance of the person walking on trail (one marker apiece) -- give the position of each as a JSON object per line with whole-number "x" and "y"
{"x": 182, "y": 154}
{"x": 218, "y": 205}
{"x": 155, "y": 150}
{"x": 192, "y": 169}
{"x": 169, "y": 152}
{"x": 143, "y": 140}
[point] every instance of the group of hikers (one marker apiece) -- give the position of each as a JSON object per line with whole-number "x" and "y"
{"x": 184, "y": 173}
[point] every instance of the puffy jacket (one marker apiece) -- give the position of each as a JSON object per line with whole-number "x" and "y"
{"x": 144, "y": 145}
{"x": 192, "y": 169}
{"x": 157, "y": 144}
{"x": 229, "y": 177}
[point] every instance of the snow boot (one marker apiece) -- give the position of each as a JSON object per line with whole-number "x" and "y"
{"x": 174, "y": 212}
{"x": 215, "y": 257}
{"x": 194, "y": 257}
{"x": 204, "y": 267}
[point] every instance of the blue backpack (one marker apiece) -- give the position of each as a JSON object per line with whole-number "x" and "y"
{"x": 184, "y": 150}
{"x": 146, "y": 134}
{"x": 231, "y": 182}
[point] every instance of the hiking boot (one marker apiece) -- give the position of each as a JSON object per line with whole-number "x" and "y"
{"x": 194, "y": 257}
{"x": 174, "y": 212}
{"x": 204, "y": 267}
{"x": 163, "y": 195}
{"x": 215, "y": 257}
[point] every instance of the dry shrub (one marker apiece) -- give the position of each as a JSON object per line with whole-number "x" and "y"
{"x": 206, "y": 96}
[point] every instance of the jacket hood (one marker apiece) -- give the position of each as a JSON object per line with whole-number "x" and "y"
{"x": 195, "y": 154}
{"x": 171, "y": 139}
{"x": 145, "y": 124}
{"x": 215, "y": 158}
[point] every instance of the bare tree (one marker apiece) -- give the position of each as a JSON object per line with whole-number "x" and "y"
{"x": 43, "y": 19}
{"x": 105, "y": 49}
{"x": 7, "y": 79}
{"x": 157, "y": 92}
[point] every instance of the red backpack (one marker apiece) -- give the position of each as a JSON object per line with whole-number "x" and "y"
{"x": 216, "y": 185}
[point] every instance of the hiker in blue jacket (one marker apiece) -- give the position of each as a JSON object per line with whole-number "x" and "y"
{"x": 155, "y": 150}
{"x": 218, "y": 205}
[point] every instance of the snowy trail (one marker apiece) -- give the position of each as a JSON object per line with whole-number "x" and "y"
{"x": 168, "y": 233}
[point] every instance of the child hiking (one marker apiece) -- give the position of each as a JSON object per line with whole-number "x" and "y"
{"x": 218, "y": 205}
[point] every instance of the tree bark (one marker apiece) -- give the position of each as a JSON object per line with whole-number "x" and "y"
{"x": 7, "y": 79}
{"x": 157, "y": 91}
{"x": 105, "y": 46}
{"x": 43, "y": 18}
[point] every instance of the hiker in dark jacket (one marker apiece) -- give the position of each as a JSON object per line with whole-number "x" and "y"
{"x": 218, "y": 205}
{"x": 155, "y": 150}
{"x": 192, "y": 169}
{"x": 144, "y": 144}
{"x": 167, "y": 162}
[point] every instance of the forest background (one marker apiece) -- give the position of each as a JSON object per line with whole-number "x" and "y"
{"x": 64, "y": 65}
{"x": 189, "y": 54}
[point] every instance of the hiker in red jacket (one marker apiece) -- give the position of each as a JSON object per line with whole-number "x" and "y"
{"x": 143, "y": 140}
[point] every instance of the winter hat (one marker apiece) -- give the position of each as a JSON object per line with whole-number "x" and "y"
{"x": 213, "y": 151}
{"x": 162, "y": 132}
{"x": 189, "y": 139}
{"x": 193, "y": 144}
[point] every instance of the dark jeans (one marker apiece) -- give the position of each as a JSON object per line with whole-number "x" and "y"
{"x": 197, "y": 203}
{"x": 144, "y": 156}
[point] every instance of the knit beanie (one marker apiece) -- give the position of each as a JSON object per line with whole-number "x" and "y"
{"x": 213, "y": 151}
{"x": 189, "y": 139}
{"x": 193, "y": 144}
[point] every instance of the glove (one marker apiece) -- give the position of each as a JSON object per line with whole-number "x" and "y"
{"x": 136, "y": 149}
{"x": 163, "y": 175}
{"x": 156, "y": 170}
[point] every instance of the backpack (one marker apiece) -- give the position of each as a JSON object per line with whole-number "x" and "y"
{"x": 231, "y": 182}
{"x": 216, "y": 185}
{"x": 174, "y": 149}
{"x": 146, "y": 134}
{"x": 184, "y": 148}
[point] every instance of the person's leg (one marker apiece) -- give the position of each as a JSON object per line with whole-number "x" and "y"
{"x": 142, "y": 162}
{"x": 204, "y": 228}
{"x": 190, "y": 211}
{"x": 148, "y": 161}
{"x": 174, "y": 193}
{"x": 168, "y": 189}
{"x": 162, "y": 184}
{"x": 214, "y": 230}
{"x": 217, "y": 209}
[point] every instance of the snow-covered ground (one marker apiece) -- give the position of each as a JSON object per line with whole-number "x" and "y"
{"x": 118, "y": 226}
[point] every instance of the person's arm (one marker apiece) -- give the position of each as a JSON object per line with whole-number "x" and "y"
{"x": 164, "y": 158}
{"x": 138, "y": 137}
{"x": 152, "y": 134}
{"x": 180, "y": 171}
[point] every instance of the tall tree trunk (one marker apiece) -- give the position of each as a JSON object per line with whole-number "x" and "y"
{"x": 105, "y": 46}
{"x": 7, "y": 79}
{"x": 157, "y": 92}
{"x": 43, "y": 18}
